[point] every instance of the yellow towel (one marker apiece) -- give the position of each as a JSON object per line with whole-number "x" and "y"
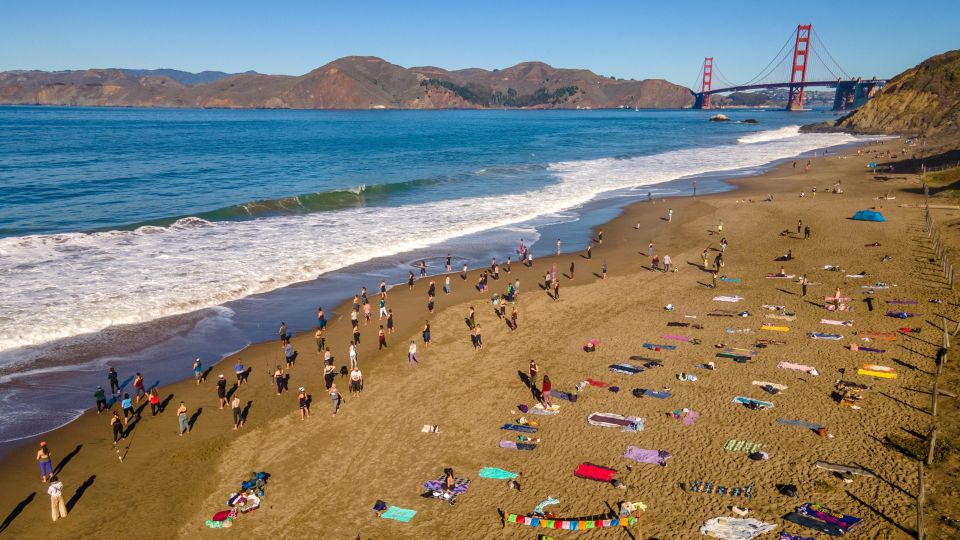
{"x": 775, "y": 328}
{"x": 880, "y": 374}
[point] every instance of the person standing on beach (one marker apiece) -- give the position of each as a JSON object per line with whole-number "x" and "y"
{"x": 718, "y": 261}
{"x": 304, "y": 403}
{"x": 423, "y": 268}
{"x": 284, "y": 337}
{"x": 449, "y": 264}
{"x": 713, "y": 278}
{"x": 329, "y": 374}
{"x": 222, "y": 391}
{"x": 529, "y": 259}
{"x": 477, "y": 338}
{"x": 720, "y": 227}
{"x": 356, "y": 381}
{"x": 803, "y": 286}
{"x": 669, "y": 215}
{"x": 383, "y": 289}
{"x": 558, "y": 247}
{"x": 154, "y": 402}
{"x": 410, "y": 279}
{"x": 389, "y": 321}
{"x": 240, "y": 371}
{"x": 472, "y": 318}
{"x": 723, "y": 245}
{"x": 546, "y": 392}
{"x": 603, "y": 269}
{"x": 114, "y": 379}
{"x": 426, "y": 333}
{"x": 706, "y": 256}
{"x": 650, "y": 249}
{"x": 101, "y": 398}
{"x": 356, "y": 334}
{"x": 198, "y": 370}
{"x": 447, "y": 289}
{"x": 532, "y": 372}
{"x": 55, "y": 490}
{"x": 352, "y": 352}
{"x": 463, "y": 273}
{"x": 589, "y": 250}
{"x": 430, "y": 303}
{"x": 127, "y": 405}
{"x": 556, "y": 289}
{"x": 237, "y": 413}
{"x": 667, "y": 261}
{"x": 799, "y": 225}
{"x": 321, "y": 319}
{"x": 516, "y": 289}
{"x": 412, "y": 354}
{"x": 336, "y": 398}
{"x": 381, "y": 338}
{"x": 289, "y": 354}
{"x": 318, "y": 337}
{"x": 182, "y": 418}
{"x": 806, "y": 232}
{"x": 279, "y": 379}
{"x": 694, "y": 188}
{"x": 45, "y": 461}
{"x": 600, "y": 237}
{"x": 116, "y": 425}
{"x": 506, "y": 265}
{"x": 366, "y": 312}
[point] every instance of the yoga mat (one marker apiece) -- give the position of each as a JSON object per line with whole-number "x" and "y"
{"x": 901, "y": 314}
{"x": 642, "y": 455}
{"x": 545, "y": 411}
{"x": 784, "y": 535}
{"x": 567, "y": 396}
{"x": 517, "y": 427}
{"x": 736, "y": 445}
{"x": 626, "y": 423}
{"x": 399, "y": 514}
{"x": 658, "y": 347}
{"x": 788, "y": 318}
{"x": 858, "y": 348}
{"x": 590, "y": 471}
{"x": 599, "y": 384}
{"x": 815, "y": 524}
{"x": 780, "y": 387}
{"x": 675, "y": 337}
{"x": 731, "y": 280}
{"x": 843, "y": 468}
{"x": 878, "y": 374}
{"x": 740, "y": 352}
{"x": 728, "y": 298}
{"x": 497, "y": 474}
{"x": 800, "y": 423}
{"x": 729, "y": 528}
{"x": 798, "y": 367}
{"x": 775, "y": 328}
{"x": 655, "y": 394}
{"x": 744, "y": 400}
{"x": 821, "y": 335}
{"x": 626, "y": 369}
{"x": 569, "y": 524}
{"x": 773, "y": 307}
{"x": 517, "y": 446}
{"x": 836, "y": 323}
{"x": 822, "y": 513}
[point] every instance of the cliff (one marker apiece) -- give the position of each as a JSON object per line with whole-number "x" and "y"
{"x": 923, "y": 100}
{"x": 348, "y": 83}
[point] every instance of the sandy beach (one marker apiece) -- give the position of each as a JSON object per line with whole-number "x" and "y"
{"x": 327, "y": 472}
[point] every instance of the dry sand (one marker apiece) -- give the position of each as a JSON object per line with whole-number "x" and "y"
{"x": 327, "y": 472}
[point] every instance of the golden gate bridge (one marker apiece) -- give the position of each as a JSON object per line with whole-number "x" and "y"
{"x": 851, "y": 92}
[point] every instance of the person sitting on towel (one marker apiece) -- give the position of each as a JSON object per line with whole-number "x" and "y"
{"x": 252, "y": 502}
{"x": 782, "y": 272}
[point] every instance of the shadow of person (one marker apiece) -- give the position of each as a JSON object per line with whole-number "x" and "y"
{"x": 80, "y": 491}
{"x": 524, "y": 378}
{"x": 165, "y": 402}
{"x": 193, "y": 419}
{"x": 66, "y": 459}
{"x": 206, "y": 373}
{"x": 245, "y": 412}
{"x": 17, "y": 510}
{"x": 231, "y": 390}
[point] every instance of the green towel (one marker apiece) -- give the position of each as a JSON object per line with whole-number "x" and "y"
{"x": 735, "y": 445}
{"x": 497, "y": 474}
{"x": 399, "y": 514}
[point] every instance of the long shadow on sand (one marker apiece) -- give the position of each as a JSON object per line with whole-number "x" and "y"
{"x": 17, "y": 510}
{"x": 881, "y": 514}
{"x": 80, "y": 491}
{"x": 66, "y": 459}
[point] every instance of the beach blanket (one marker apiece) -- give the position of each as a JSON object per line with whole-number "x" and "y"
{"x": 639, "y": 392}
{"x": 730, "y": 279}
{"x": 799, "y": 367}
{"x": 460, "y": 485}
{"x": 775, "y": 328}
{"x": 728, "y": 298}
{"x": 679, "y": 338}
{"x": 590, "y": 471}
{"x": 781, "y": 276}
{"x": 598, "y": 384}
{"x": 744, "y": 400}
{"x": 799, "y": 423}
{"x": 728, "y": 528}
{"x": 658, "y": 347}
{"x": 784, "y": 317}
{"x": 836, "y": 323}
{"x": 497, "y": 474}
{"x": 722, "y": 313}
{"x": 833, "y": 467}
{"x": 737, "y": 445}
{"x": 823, "y": 335}
{"x": 569, "y": 524}
{"x": 739, "y": 358}
{"x": 878, "y": 374}
{"x": 539, "y": 508}
{"x": 566, "y": 396}
{"x": 513, "y": 445}
{"x": 902, "y": 314}
{"x": 518, "y": 427}
{"x": 740, "y": 352}
{"x": 626, "y": 423}
{"x": 626, "y": 369}
{"x": 699, "y": 486}
{"x": 399, "y": 514}
{"x": 686, "y": 417}
{"x": 856, "y": 276}
{"x": 775, "y": 386}
{"x": 642, "y": 455}
{"x": 823, "y": 519}
{"x": 545, "y": 411}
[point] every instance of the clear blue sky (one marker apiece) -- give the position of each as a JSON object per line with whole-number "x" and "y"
{"x": 627, "y": 39}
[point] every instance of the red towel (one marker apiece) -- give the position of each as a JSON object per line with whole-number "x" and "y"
{"x": 594, "y": 472}
{"x": 592, "y": 382}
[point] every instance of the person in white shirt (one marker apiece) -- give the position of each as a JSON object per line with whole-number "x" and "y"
{"x": 57, "y": 508}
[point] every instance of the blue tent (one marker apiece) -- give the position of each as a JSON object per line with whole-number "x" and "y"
{"x": 869, "y": 215}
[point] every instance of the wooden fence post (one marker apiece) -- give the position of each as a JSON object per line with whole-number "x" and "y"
{"x": 933, "y": 445}
{"x": 920, "y": 497}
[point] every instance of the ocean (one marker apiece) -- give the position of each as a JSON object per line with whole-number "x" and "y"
{"x": 148, "y": 237}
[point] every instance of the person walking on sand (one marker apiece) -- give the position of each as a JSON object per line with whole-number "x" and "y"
{"x": 705, "y": 255}
{"x": 412, "y": 354}
{"x": 336, "y": 398}
{"x": 389, "y": 321}
{"x": 114, "y": 379}
{"x": 237, "y": 413}
{"x": 381, "y": 338}
{"x": 477, "y": 338}
{"x": 449, "y": 264}
{"x": 383, "y": 289}
{"x": 304, "y": 403}
{"x": 669, "y": 215}
{"x": 329, "y": 374}
{"x": 556, "y": 289}
{"x": 44, "y": 460}
{"x": 713, "y": 278}
{"x": 352, "y": 352}
{"x": 529, "y": 259}
{"x": 356, "y": 382}
{"x": 720, "y": 227}
{"x": 198, "y": 371}
{"x": 806, "y": 232}
{"x": 799, "y": 225}
{"x": 431, "y": 302}
{"x": 472, "y": 317}
{"x": 356, "y": 334}
{"x": 723, "y": 245}
{"x": 284, "y": 336}
{"x": 321, "y": 319}
{"x": 127, "y": 405}
{"x": 410, "y": 279}
{"x": 718, "y": 261}
{"x": 423, "y": 268}
{"x": 116, "y": 425}
{"x": 667, "y": 261}
{"x": 546, "y": 392}
{"x": 600, "y": 237}
{"x": 366, "y": 313}
{"x": 318, "y": 337}
{"x": 182, "y": 419}
{"x": 650, "y": 249}
{"x": 101, "y": 396}
{"x": 240, "y": 371}
{"x": 447, "y": 288}
{"x": 603, "y": 269}
{"x": 803, "y": 286}
{"x": 222, "y": 391}
{"x": 463, "y": 273}
{"x": 279, "y": 379}
{"x": 426, "y": 333}
{"x": 57, "y": 508}
{"x": 532, "y": 372}
{"x": 154, "y": 402}
{"x": 289, "y": 354}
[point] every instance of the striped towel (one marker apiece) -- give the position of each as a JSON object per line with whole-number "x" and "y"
{"x": 735, "y": 445}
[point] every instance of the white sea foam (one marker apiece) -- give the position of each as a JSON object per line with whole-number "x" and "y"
{"x": 786, "y": 132}
{"x": 63, "y": 285}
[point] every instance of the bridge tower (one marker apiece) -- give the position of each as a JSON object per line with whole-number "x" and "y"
{"x": 707, "y": 82}
{"x": 798, "y": 75}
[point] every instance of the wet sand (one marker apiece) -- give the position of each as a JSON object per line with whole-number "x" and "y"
{"x": 327, "y": 472}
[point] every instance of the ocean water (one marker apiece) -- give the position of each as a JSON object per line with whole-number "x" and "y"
{"x": 134, "y": 237}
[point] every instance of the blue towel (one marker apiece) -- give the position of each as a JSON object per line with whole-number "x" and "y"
{"x": 497, "y": 474}
{"x": 571, "y": 397}
{"x": 517, "y": 427}
{"x": 627, "y": 369}
{"x": 399, "y": 514}
{"x": 654, "y": 393}
{"x": 656, "y": 346}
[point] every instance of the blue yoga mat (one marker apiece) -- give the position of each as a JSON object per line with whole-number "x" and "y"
{"x": 656, "y": 346}
{"x": 399, "y": 514}
{"x": 571, "y": 397}
{"x": 654, "y": 393}
{"x": 517, "y": 427}
{"x": 626, "y": 369}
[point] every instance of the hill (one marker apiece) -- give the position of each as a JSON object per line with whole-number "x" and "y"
{"x": 355, "y": 82}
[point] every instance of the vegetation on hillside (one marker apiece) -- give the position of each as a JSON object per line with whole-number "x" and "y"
{"x": 486, "y": 97}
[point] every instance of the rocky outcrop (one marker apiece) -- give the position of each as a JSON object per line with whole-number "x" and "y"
{"x": 354, "y": 82}
{"x": 924, "y": 100}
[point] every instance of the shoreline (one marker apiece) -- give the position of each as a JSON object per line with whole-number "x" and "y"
{"x": 715, "y": 182}
{"x": 223, "y": 456}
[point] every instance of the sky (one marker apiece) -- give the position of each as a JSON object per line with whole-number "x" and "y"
{"x": 625, "y": 39}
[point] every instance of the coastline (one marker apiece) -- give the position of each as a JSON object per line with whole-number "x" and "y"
{"x": 216, "y": 443}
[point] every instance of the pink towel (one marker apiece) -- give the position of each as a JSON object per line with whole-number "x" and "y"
{"x": 678, "y": 338}
{"x": 690, "y": 418}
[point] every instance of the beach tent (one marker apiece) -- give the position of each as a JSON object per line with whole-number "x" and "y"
{"x": 869, "y": 215}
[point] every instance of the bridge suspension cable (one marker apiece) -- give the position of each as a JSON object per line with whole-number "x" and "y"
{"x": 826, "y": 50}
{"x": 775, "y": 62}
